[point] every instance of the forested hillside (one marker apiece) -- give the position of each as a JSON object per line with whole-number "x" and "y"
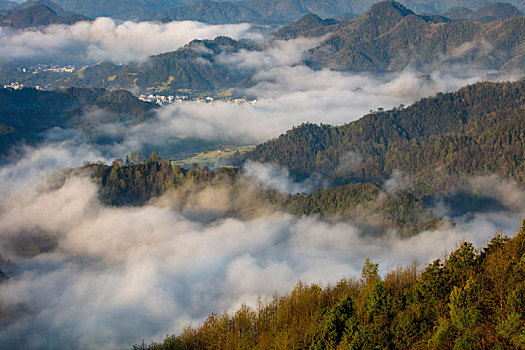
{"x": 470, "y": 300}
{"x": 493, "y": 12}
{"x": 37, "y": 15}
{"x": 430, "y": 149}
{"x": 138, "y": 180}
{"x": 477, "y": 130}
{"x": 26, "y": 113}
{"x": 389, "y": 37}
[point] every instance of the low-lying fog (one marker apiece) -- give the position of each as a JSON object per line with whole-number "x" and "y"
{"x": 110, "y": 277}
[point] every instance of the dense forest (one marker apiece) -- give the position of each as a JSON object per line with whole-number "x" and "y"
{"x": 477, "y": 130}
{"x": 137, "y": 180}
{"x": 389, "y": 37}
{"x": 431, "y": 149}
{"x": 26, "y": 113}
{"x": 470, "y": 300}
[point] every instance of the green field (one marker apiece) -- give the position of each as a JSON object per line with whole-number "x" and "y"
{"x": 214, "y": 158}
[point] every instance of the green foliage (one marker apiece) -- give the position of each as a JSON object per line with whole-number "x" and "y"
{"x": 39, "y": 14}
{"x": 474, "y": 131}
{"x": 26, "y": 113}
{"x": 389, "y": 37}
{"x": 441, "y": 308}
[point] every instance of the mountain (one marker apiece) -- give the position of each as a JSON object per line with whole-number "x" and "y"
{"x": 39, "y": 14}
{"x": 50, "y": 4}
{"x": 195, "y": 66}
{"x": 269, "y": 10}
{"x": 308, "y": 26}
{"x": 6, "y": 4}
{"x": 294, "y": 9}
{"x": 474, "y": 131}
{"x": 489, "y": 13}
{"x": 441, "y": 6}
{"x": 26, "y": 113}
{"x": 118, "y": 8}
{"x": 389, "y": 37}
{"x": 211, "y": 12}
{"x": 260, "y": 11}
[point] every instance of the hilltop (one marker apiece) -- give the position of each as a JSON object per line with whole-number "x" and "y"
{"x": 474, "y": 131}
{"x": 490, "y": 13}
{"x": 26, "y": 113}
{"x": 389, "y": 37}
{"x": 36, "y": 14}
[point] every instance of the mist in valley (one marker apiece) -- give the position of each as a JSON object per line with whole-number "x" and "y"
{"x": 87, "y": 275}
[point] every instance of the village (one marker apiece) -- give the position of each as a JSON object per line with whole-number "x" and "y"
{"x": 41, "y": 68}
{"x": 163, "y": 100}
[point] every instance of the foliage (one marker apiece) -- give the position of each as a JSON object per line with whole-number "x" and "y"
{"x": 448, "y": 305}
{"x": 26, "y": 113}
{"x": 474, "y": 131}
{"x": 389, "y": 37}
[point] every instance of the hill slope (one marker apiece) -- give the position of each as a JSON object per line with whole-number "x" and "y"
{"x": 37, "y": 15}
{"x": 389, "y": 37}
{"x": 489, "y": 13}
{"x": 469, "y": 300}
{"x": 194, "y": 66}
{"x": 26, "y": 113}
{"x": 474, "y": 131}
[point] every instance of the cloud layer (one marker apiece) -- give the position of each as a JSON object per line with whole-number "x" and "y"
{"x": 104, "y": 39}
{"x": 110, "y": 277}
{"x": 117, "y": 275}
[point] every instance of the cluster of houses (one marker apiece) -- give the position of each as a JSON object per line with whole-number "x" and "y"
{"x": 18, "y": 86}
{"x": 162, "y": 100}
{"x": 15, "y": 86}
{"x": 45, "y": 68}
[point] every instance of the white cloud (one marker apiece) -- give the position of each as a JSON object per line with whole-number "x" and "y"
{"x": 106, "y": 39}
{"x": 122, "y": 274}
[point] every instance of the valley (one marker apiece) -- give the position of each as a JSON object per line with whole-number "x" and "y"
{"x": 276, "y": 174}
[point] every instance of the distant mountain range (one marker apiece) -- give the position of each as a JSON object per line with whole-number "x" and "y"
{"x": 389, "y": 37}
{"x": 118, "y": 8}
{"x": 6, "y": 4}
{"x": 37, "y": 13}
{"x": 282, "y": 11}
{"x": 251, "y": 10}
{"x": 489, "y": 13}
{"x": 222, "y": 12}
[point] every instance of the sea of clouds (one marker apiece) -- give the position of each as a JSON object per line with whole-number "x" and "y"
{"x": 110, "y": 277}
